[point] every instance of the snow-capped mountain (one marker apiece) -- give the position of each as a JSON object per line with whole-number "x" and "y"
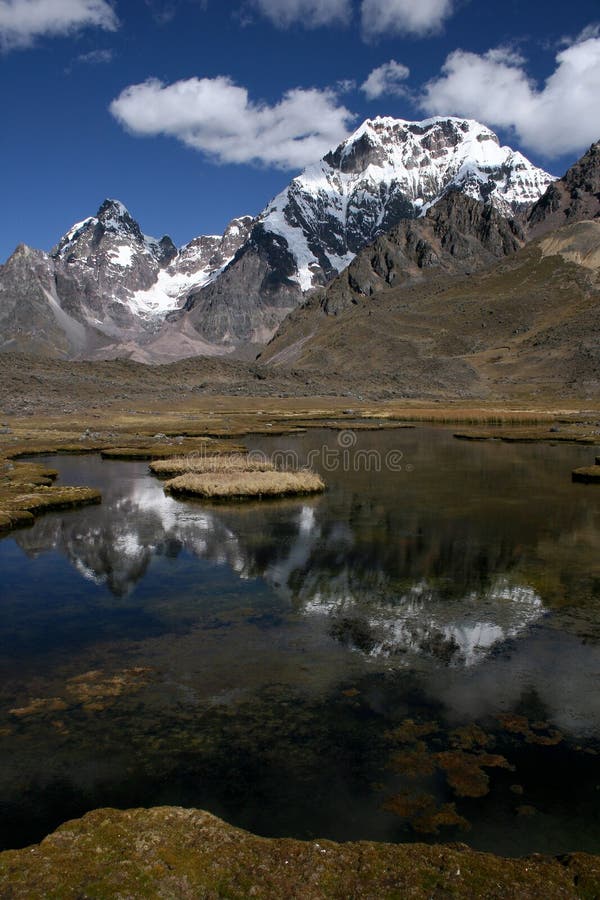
{"x": 388, "y": 170}
{"x": 103, "y": 262}
{"x": 109, "y": 260}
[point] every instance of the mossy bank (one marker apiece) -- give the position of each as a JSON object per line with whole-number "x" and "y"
{"x": 179, "y": 853}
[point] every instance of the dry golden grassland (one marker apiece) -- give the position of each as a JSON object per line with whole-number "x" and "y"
{"x": 233, "y": 476}
{"x": 27, "y": 489}
{"x": 234, "y": 417}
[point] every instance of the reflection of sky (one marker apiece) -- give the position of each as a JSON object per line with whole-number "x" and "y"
{"x": 554, "y": 671}
{"x": 461, "y": 631}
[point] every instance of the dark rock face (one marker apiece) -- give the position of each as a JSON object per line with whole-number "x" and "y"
{"x": 574, "y": 198}
{"x": 364, "y": 151}
{"x": 251, "y": 297}
{"x": 457, "y": 235}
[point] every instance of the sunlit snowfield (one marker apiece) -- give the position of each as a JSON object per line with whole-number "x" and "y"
{"x": 412, "y": 656}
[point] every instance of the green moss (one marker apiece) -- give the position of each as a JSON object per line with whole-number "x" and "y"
{"x": 177, "y": 853}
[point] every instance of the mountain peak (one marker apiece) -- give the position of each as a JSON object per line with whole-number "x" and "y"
{"x": 115, "y": 216}
{"x": 387, "y": 142}
{"x": 113, "y": 208}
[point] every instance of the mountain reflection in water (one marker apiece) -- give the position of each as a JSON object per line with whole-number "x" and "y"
{"x": 321, "y": 566}
{"x": 253, "y": 659}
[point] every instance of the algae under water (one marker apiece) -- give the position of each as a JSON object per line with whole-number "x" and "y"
{"x": 413, "y": 655}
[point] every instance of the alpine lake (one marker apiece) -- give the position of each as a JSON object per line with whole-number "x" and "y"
{"x": 412, "y": 656}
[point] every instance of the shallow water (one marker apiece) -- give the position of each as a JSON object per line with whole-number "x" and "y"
{"x": 265, "y": 661}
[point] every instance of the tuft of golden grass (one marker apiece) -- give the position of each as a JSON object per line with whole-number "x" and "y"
{"x": 238, "y": 485}
{"x": 200, "y": 465}
{"x": 587, "y": 474}
{"x": 26, "y": 489}
{"x": 528, "y": 436}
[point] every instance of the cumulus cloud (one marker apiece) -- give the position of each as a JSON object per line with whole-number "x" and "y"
{"x": 310, "y": 13}
{"x": 561, "y": 116}
{"x": 386, "y": 79}
{"x": 22, "y": 21}
{"x": 217, "y": 117}
{"x": 415, "y": 17}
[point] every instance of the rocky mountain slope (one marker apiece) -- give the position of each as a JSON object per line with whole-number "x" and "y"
{"x": 529, "y": 326}
{"x": 108, "y": 290}
{"x": 574, "y": 198}
{"x": 32, "y": 318}
{"x": 426, "y": 306}
{"x": 458, "y": 235}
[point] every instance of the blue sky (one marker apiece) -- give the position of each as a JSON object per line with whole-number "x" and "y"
{"x": 194, "y": 111}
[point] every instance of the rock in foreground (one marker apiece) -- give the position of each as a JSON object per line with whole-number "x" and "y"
{"x": 179, "y": 853}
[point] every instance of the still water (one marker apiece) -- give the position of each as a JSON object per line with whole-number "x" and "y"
{"x": 415, "y": 655}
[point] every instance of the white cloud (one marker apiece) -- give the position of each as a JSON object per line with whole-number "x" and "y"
{"x": 310, "y": 13}
{"x": 95, "y": 57}
{"x": 386, "y": 79}
{"x": 217, "y": 117}
{"x": 561, "y": 116}
{"x": 22, "y": 21}
{"x": 345, "y": 86}
{"x": 590, "y": 31}
{"x": 391, "y": 17}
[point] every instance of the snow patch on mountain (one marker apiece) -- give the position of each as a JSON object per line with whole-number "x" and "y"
{"x": 122, "y": 256}
{"x": 170, "y": 290}
{"x": 196, "y": 264}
